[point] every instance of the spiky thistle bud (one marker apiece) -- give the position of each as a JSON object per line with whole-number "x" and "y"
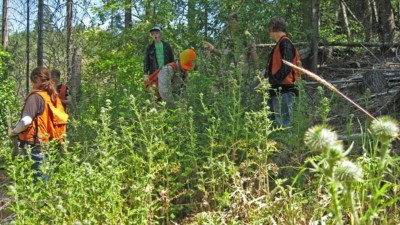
{"x": 385, "y": 129}
{"x": 320, "y": 138}
{"x": 348, "y": 172}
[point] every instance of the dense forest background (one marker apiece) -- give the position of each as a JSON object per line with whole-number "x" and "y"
{"x": 213, "y": 159}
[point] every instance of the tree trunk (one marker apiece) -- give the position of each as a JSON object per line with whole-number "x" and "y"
{"x": 345, "y": 20}
{"x": 27, "y": 45}
{"x": 191, "y": 16}
{"x": 148, "y": 9}
{"x": 4, "y": 28}
{"x": 69, "y": 36}
{"x": 367, "y": 19}
{"x": 128, "y": 14}
{"x": 74, "y": 82}
{"x": 315, "y": 34}
{"x": 40, "y": 33}
{"x": 375, "y": 18}
{"x": 386, "y": 24}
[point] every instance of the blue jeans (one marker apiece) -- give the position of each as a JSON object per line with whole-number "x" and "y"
{"x": 37, "y": 156}
{"x": 281, "y": 107}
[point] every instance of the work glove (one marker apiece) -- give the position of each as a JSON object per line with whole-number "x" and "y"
{"x": 208, "y": 46}
{"x": 11, "y": 133}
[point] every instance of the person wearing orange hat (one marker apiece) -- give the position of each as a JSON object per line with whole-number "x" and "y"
{"x": 170, "y": 78}
{"x": 157, "y": 54}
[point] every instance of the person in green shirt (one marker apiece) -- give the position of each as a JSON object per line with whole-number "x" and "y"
{"x": 157, "y": 54}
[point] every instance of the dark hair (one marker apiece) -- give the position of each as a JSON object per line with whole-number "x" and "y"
{"x": 234, "y": 16}
{"x": 277, "y": 24}
{"x": 42, "y": 74}
{"x": 56, "y": 73}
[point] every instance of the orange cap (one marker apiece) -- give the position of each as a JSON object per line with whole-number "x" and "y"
{"x": 186, "y": 58}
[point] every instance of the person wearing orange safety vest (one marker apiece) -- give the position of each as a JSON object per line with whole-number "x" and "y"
{"x": 62, "y": 89}
{"x": 43, "y": 119}
{"x": 281, "y": 77}
{"x": 169, "y": 79}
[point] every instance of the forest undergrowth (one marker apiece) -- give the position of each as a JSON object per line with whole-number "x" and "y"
{"x": 214, "y": 159}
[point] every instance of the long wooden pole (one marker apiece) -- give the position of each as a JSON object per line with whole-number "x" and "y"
{"x": 330, "y": 87}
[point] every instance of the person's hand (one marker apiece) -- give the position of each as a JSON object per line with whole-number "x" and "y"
{"x": 11, "y": 132}
{"x": 259, "y": 73}
{"x": 208, "y": 46}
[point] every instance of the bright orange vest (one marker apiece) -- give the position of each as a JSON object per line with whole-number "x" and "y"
{"x": 49, "y": 125}
{"x": 276, "y": 61}
{"x": 63, "y": 94}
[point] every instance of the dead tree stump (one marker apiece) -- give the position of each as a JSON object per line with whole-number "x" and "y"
{"x": 375, "y": 81}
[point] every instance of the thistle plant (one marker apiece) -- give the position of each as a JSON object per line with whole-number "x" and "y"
{"x": 323, "y": 140}
{"x": 348, "y": 174}
{"x": 324, "y": 107}
{"x": 383, "y": 130}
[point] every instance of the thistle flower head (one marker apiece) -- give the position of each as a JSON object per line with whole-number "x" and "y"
{"x": 385, "y": 129}
{"x": 336, "y": 151}
{"x": 347, "y": 171}
{"x": 103, "y": 110}
{"x": 320, "y": 138}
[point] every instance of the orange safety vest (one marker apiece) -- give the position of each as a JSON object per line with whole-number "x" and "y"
{"x": 49, "y": 125}
{"x": 63, "y": 94}
{"x": 276, "y": 61}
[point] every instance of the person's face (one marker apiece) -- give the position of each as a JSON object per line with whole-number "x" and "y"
{"x": 272, "y": 34}
{"x": 155, "y": 34}
{"x": 232, "y": 23}
{"x": 55, "y": 79}
{"x": 36, "y": 84}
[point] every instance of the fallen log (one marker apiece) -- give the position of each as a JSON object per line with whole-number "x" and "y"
{"x": 358, "y": 78}
{"x": 342, "y": 44}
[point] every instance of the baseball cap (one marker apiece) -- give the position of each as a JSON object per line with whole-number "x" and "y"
{"x": 155, "y": 28}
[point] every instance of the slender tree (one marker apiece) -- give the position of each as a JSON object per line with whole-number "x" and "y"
{"x": 128, "y": 14}
{"x": 69, "y": 35}
{"x": 27, "y": 45}
{"x": 367, "y": 19}
{"x": 386, "y": 21}
{"x": 315, "y": 34}
{"x": 345, "y": 20}
{"x": 40, "y": 33}
{"x": 4, "y": 28}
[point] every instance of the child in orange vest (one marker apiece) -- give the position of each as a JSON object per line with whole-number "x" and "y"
{"x": 62, "y": 89}
{"x": 43, "y": 119}
{"x": 170, "y": 78}
{"x": 281, "y": 77}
